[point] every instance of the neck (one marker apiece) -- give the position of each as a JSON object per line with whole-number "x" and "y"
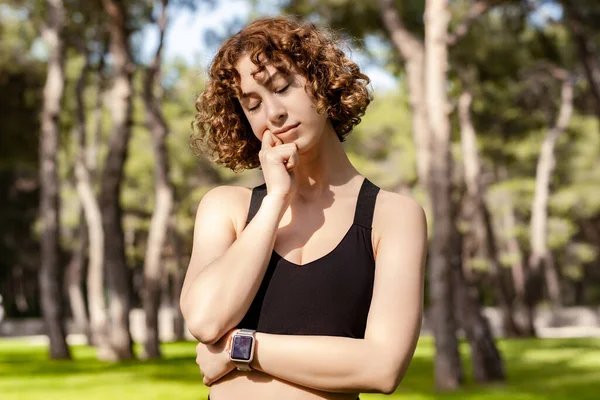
{"x": 324, "y": 165}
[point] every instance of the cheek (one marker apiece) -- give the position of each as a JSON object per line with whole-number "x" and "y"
{"x": 310, "y": 110}
{"x": 318, "y": 120}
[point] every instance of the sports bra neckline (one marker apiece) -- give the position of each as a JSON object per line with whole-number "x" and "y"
{"x": 321, "y": 258}
{"x": 363, "y": 216}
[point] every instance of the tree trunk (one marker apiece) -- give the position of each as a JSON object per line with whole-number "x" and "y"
{"x": 93, "y": 146}
{"x": 95, "y": 231}
{"x": 487, "y": 362}
{"x": 163, "y": 200}
{"x": 471, "y": 218}
{"x": 118, "y": 277}
{"x": 178, "y": 275}
{"x": 477, "y": 216}
{"x": 552, "y": 281}
{"x": 413, "y": 52}
{"x": 591, "y": 270}
{"x": 178, "y": 321}
{"x": 447, "y": 362}
{"x": 523, "y": 316}
{"x": 50, "y": 270}
{"x": 74, "y": 282}
{"x": 586, "y": 48}
{"x": 509, "y": 324}
{"x": 540, "y": 255}
{"x": 488, "y": 365}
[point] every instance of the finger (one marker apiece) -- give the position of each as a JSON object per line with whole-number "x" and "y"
{"x": 268, "y": 140}
{"x": 295, "y": 157}
{"x": 290, "y": 163}
{"x": 278, "y": 141}
{"x": 282, "y": 157}
{"x": 289, "y": 155}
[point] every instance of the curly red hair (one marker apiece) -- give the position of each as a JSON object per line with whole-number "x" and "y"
{"x": 334, "y": 82}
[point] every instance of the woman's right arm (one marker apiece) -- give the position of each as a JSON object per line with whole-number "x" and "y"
{"x": 225, "y": 273}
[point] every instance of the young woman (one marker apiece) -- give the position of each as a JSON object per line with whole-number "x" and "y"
{"x": 321, "y": 270}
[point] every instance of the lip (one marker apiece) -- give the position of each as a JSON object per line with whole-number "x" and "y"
{"x": 285, "y": 129}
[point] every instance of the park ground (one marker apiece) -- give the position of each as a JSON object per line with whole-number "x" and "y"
{"x": 553, "y": 369}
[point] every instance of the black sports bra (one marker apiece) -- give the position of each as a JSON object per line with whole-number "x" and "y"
{"x": 330, "y": 296}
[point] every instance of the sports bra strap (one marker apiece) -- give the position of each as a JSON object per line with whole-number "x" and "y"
{"x": 365, "y": 206}
{"x": 258, "y": 194}
{"x": 363, "y": 214}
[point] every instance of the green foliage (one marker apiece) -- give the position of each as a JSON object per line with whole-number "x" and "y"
{"x": 21, "y": 81}
{"x": 381, "y": 145}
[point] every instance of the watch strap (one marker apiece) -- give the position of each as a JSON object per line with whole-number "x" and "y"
{"x": 242, "y": 366}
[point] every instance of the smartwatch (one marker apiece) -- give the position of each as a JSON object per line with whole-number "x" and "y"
{"x": 242, "y": 349}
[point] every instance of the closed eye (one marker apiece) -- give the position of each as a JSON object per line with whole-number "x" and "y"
{"x": 280, "y": 91}
{"x": 283, "y": 90}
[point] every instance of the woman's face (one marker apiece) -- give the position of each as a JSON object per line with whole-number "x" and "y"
{"x": 277, "y": 102}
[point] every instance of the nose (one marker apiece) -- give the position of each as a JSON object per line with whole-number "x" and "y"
{"x": 276, "y": 111}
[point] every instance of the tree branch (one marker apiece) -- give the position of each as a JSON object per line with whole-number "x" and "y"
{"x": 407, "y": 44}
{"x": 478, "y": 8}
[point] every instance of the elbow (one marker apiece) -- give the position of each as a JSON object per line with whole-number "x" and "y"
{"x": 388, "y": 378}
{"x": 388, "y": 384}
{"x": 202, "y": 328}
{"x": 204, "y": 332}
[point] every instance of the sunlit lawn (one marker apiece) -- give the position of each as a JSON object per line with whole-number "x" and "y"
{"x": 537, "y": 369}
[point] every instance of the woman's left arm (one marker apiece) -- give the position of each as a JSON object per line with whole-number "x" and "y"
{"x": 378, "y": 362}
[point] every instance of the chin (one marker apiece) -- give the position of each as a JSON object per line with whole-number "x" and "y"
{"x": 305, "y": 144}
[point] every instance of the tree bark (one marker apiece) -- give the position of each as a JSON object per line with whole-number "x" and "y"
{"x": 74, "y": 282}
{"x": 488, "y": 365}
{"x": 487, "y": 362}
{"x": 118, "y": 277}
{"x": 474, "y": 235}
{"x": 540, "y": 255}
{"x": 447, "y": 362}
{"x": 477, "y": 215}
{"x": 94, "y": 145}
{"x": 412, "y": 51}
{"x": 163, "y": 199}
{"x": 511, "y": 329}
{"x": 95, "y": 231}
{"x": 50, "y": 269}
{"x": 524, "y": 319}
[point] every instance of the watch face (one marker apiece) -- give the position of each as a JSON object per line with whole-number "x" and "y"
{"x": 241, "y": 347}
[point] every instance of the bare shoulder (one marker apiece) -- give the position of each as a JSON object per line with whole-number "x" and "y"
{"x": 398, "y": 215}
{"x": 396, "y": 206}
{"x": 229, "y": 201}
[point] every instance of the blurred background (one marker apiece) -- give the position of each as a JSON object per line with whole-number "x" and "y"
{"x": 485, "y": 111}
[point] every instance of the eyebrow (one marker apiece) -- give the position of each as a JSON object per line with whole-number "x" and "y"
{"x": 267, "y": 82}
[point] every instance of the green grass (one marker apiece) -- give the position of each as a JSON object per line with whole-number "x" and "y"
{"x": 537, "y": 369}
